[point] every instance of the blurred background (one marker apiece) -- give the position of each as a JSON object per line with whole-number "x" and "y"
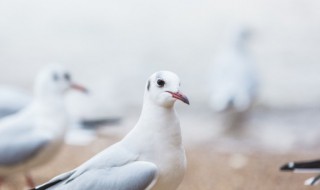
{"x": 112, "y": 47}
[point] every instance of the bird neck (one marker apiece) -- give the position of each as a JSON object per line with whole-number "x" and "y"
{"x": 50, "y": 107}
{"x": 51, "y": 99}
{"x": 152, "y": 113}
{"x": 156, "y": 124}
{"x": 50, "y": 116}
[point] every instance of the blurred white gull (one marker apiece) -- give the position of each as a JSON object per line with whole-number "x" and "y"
{"x": 34, "y": 135}
{"x": 151, "y": 156}
{"x": 12, "y": 100}
{"x": 304, "y": 167}
{"x": 233, "y": 79}
{"x": 86, "y": 112}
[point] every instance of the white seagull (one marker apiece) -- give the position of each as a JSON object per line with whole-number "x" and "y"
{"x": 151, "y": 156}
{"x": 234, "y": 81}
{"x": 33, "y": 136}
{"x": 304, "y": 167}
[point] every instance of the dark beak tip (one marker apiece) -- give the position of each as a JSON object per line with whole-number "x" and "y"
{"x": 286, "y": 168}
{"x": 184, "y": 99}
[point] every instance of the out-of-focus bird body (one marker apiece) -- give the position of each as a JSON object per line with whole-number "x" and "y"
{"x": 312, "y": 166}
{"x": 36, "y": 121}
{"x": 234, "y": 82}
{"x": 33, "y": 136}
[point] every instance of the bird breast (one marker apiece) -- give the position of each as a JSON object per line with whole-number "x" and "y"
{"x": 171, "y": 162}
{"x": 172, "y": 166}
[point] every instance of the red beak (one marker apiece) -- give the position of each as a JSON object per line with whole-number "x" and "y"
{"x": 180, "y": 96}
{"x": 79, "y": 87}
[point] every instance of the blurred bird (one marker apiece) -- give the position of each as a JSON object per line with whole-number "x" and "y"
{"x": 305, "y": 167}
{"x": 234, "y": 81}
{"x": 151, "y": 156}
{"x": 34, "y": 135}
{"x": 86, "y": 112}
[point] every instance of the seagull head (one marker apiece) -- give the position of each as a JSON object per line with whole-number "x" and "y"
{"x": 55, "y": 80}
{"x": 163, "y": 88}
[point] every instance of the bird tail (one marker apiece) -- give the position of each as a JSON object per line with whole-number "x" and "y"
{"x": 54, "y": 181}
{"x": 308, "y": 166}
{"x": 47, "y": 185}
{"x": 85, "y": 123}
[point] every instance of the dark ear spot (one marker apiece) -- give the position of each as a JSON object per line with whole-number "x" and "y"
{"x": 148, "y": 86}
{"x": 55, "y": 77}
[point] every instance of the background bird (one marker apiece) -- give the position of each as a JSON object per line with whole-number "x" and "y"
{"x": 305, "y": 167}
{"x": 33, "y": 136}
{"x": 151, "y": 156}
{"x": 87, "y": 113}
{"x": 234, "y": 81}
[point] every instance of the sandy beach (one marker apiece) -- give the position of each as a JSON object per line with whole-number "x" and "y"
{"x": 214, "y": 161}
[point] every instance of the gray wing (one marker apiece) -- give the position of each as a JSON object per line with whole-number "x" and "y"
{"x": 56, "y": 180}
{"x": 134, "y": 176}
{"x": 20, "y": 148}
{"x": 12, "y": 100}
{"x": 137, "y": 175}
{"x": 17, "y": 124}
{"x": 115, "y": 168}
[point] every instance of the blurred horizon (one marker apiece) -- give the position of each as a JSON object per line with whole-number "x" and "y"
{"x": 107, "y": 44}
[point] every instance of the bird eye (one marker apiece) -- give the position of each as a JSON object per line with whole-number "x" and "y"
{"x": 67, "y": 76}
{"x": 161, "y": 82}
